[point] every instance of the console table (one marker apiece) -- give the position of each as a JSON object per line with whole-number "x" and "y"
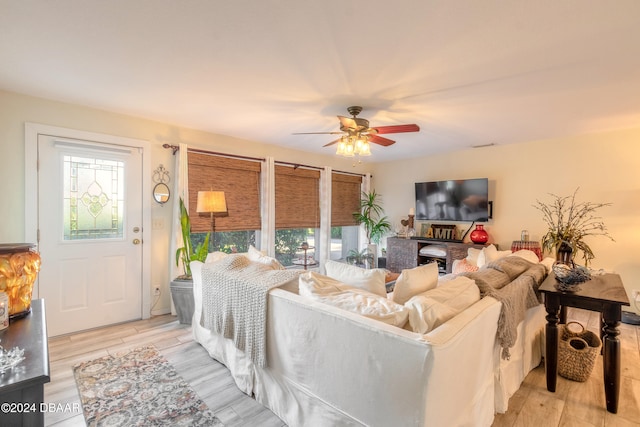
{"x": 405, "y": 253}
{"x": 24, "y": 384}
{"x": 604, "y": 293}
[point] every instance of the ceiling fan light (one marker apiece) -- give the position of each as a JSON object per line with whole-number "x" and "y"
{"x": 341, "y": 148}
{"x": 365, "y": 150}
{"x": 349, "y": 150}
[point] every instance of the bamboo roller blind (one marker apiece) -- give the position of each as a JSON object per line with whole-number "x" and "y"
{"x": 345, "y": 199}
{"x": 240, "y": 181}
{"x": 297, "y": 197}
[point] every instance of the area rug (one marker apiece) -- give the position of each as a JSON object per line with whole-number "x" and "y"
{"x": 138, "y": 388}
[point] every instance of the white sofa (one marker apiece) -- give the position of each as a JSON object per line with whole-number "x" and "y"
{"x": 329, "y": 367}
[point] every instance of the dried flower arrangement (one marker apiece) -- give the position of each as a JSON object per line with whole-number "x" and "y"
{"x": 569, "y": 223}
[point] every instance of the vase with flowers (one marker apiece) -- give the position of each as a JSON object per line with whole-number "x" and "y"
{"x": 570, "y": 222}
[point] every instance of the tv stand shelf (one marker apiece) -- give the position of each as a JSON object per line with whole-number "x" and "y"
{"x": 405, "y": 253}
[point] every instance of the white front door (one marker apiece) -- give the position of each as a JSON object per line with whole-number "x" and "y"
{"x": 90, "y": 233}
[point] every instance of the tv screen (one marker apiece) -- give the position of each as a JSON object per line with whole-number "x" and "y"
{"x": 462, "y": 200}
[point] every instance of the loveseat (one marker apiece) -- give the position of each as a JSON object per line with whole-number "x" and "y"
{"x": 327, "y": 366}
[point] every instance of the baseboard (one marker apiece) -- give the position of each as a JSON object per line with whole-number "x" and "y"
{"x": 160, "y": 311}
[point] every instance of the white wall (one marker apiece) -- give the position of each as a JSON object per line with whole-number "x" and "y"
{"x": 16, "y": 109}
{"x": 605, "y": 166}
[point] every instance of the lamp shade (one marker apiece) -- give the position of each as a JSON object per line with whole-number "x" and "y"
{"x": 211, "y": 202}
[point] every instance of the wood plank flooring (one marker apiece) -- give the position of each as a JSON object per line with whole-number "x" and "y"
{"x": 573, "y": 404}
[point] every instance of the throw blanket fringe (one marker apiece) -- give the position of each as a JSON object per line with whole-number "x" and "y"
{"x": 234, "y": 301}
{"x": 517, "y": 295}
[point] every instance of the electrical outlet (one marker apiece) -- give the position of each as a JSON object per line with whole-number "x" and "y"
{"x": 156, "y": 290}
{"x": 635, "y": 294}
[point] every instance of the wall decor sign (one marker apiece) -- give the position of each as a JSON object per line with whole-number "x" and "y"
{"x": 439, "y": 231}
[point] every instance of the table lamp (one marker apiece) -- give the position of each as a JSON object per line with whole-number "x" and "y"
{"x": 215, "y": 204}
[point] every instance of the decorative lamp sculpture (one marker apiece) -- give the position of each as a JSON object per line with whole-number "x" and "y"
{"x": 19, "y": 267}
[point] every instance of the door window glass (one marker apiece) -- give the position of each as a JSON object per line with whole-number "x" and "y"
{"x": 93, "y": 198}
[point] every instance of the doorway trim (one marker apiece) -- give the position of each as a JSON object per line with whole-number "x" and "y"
{"x": 31, "y": 132}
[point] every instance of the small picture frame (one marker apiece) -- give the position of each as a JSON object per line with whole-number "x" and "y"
{"x": 424, "y": 230}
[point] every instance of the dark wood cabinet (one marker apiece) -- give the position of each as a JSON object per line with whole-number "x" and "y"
{"x": 405, "y": 253}
{"x": 22, "y": 387}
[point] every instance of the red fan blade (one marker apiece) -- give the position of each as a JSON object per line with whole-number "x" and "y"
{"x": 396, "y": 129}
{"x": 348, "y": 122}
{"x": 380, "y": 140}
{"x": 332, "y": 142}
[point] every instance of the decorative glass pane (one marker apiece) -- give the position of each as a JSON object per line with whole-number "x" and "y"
{"x": 93, "y": 198}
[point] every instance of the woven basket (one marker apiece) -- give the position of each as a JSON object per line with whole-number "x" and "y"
{"x": 577, "y": 352}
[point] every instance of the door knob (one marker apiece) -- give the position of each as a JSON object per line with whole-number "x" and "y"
{"x": 136, "y": 241}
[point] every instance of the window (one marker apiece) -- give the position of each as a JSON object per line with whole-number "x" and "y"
{"x": 93, "y": 198}
{"x": 240, "y": 181}
{"x": 345, "y": 200}
{"x": 297, "y": 211}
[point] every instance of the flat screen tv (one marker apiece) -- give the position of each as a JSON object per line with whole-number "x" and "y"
{"x": 462, "y": 200}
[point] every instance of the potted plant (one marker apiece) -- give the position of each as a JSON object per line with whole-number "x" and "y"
{"x": 182, "y": 286}
{"x": 361, "y": 258}
{"x": 569, "y": 224}
{"x": 371, "y": 216}
{"x": 186, "y": 253}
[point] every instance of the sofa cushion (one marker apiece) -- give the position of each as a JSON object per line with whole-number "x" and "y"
{"x": 368, "y": 280}
{"x": 431, "y": 309}
{"x": 331, "y": 291}
{"x": 415, "y": 281}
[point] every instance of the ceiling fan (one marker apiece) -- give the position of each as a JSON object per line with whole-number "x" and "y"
{"x": 356, "y": 134}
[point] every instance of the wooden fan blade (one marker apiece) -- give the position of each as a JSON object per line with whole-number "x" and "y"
{"x": 348, "y": 122}
{"x": 380, "y": 140}
{"x": 332, "y": 142}
{"x": 317, "y": 133}
{"x": 397, "y": 129}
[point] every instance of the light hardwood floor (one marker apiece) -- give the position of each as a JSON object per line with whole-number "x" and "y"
{"x": 573, "y": 404}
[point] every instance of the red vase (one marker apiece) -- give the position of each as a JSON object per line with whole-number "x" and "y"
{"x": 479, "y": 235}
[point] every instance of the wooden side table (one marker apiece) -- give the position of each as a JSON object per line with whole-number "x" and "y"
{"x": 304, "y": 262}
{"x": 24, "y": 384}
{"x": 604, "y": 293}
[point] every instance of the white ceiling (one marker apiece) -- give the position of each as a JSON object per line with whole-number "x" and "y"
{"x": 467, "y": 72}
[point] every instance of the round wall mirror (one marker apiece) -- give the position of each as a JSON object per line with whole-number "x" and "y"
{"x": 161, "y": 193}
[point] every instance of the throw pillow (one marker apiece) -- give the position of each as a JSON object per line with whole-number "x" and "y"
{"x": 332, "y": 292}
{"x": 215, "y": 256}
{"x": 431, "y": 309}
{"x": 254, "y": 254}
{"x": 368, "y": 280}
{"x": 512, "y": 266}
{"x": 526, "y": 254}
{"x": 489, "y": 254}
{"x": 258, "y": 256}
{"x": 415, "y": 281}
{"x": 463, "y": 265}
{"x": 472, "y": 256}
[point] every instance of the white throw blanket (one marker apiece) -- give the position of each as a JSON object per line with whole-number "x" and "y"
{"x": 234, "y": 301}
